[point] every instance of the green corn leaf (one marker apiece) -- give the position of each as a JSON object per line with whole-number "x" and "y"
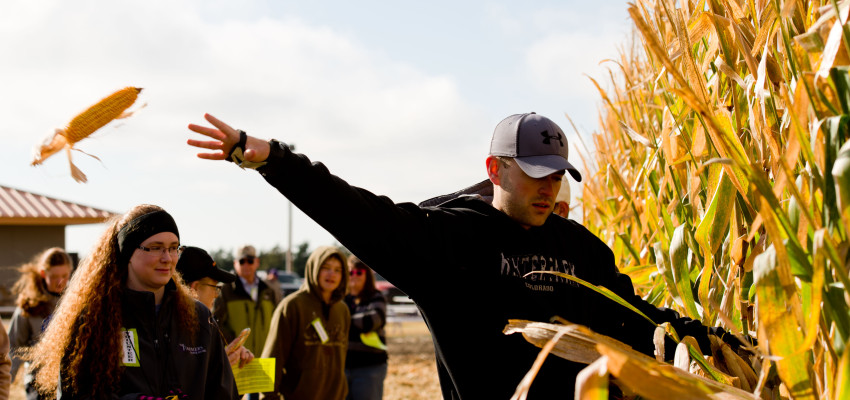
{"x": 799, "y": 261}
{"x": 681, "y": 271}
{"x": 841, "y": 176}
{"x": 835, "y": 308}
{"x": 841, "y": 80}
{"x": 715, "y": 223}
{"x": 779, "y": 327}
{"x": 842, "y": 379}
{"x": 837, "y": 130}
{"x": 627, "y": 243}
{"x": 662, "y": 260}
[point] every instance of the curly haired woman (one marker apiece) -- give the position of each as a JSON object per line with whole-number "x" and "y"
{"x": 39, "y": 287}
{"x": 127, "y": 327}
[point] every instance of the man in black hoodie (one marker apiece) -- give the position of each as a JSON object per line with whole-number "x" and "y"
{"x": 477, "y": 255}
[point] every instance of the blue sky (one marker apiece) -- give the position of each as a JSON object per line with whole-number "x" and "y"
{"x": 397, "y": 97}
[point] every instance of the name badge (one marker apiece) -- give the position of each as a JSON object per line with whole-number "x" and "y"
{"x": 320, "y": 329}
{"x": 130, "y": 348}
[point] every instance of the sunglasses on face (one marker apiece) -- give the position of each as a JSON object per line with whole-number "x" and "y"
{"x": 246, "y": 260}
{"x": 357, "y": 272}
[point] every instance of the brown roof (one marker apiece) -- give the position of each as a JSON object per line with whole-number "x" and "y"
{"x": 18, "y": 207}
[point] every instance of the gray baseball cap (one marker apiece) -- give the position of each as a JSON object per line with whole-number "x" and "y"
{"x": 538, "y": 145}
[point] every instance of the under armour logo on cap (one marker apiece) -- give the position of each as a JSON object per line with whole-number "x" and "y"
{"x": 547, "y": 138}
{"x": 518, "y": 136}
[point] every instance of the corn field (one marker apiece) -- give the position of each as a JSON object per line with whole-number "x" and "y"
{"x": 720, "y": 177}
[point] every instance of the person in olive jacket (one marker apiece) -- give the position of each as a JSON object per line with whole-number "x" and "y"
{"x": 247, "y": 302}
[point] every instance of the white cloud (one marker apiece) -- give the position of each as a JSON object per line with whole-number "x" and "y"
{"x": 561, "y": 63}
{"x": 384, "y": 125}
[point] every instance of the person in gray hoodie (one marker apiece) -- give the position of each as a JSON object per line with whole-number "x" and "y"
{"x": 41, "y": 283}
{"x": 309, "y": 333}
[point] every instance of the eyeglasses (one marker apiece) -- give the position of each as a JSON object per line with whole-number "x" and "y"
{"x": 246, "y": 260}
{"x": 158, "y": 250}
{"x": 357, "y": 272}
{"x": 217, "y": 288}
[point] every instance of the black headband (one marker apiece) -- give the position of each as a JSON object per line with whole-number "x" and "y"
{"x": 140, "y": 228}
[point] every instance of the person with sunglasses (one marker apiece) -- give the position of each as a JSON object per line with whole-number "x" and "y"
{"x": 127, "y": 327}
{"x": 246, "y": 302}
{"x": 366, "y": 362}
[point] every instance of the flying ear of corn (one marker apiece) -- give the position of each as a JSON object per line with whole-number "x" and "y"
{"x": 86, "y": 123}
{"x": 100, "y": 114}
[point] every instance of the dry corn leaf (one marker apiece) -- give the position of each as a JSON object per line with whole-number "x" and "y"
{"x": 592, "y": 382}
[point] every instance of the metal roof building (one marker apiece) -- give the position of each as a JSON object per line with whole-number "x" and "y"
{"x": 30, "y": 223}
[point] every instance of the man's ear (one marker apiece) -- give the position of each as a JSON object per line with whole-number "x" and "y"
{"x": 494, "y": 169}
{"x": 195, "y": 285}
{"x": 43, "y": 273}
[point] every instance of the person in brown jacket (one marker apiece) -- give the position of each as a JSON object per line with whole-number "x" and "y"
{"x": 309, "y": 333}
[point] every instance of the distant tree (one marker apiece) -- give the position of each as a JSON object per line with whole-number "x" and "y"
{"x": 299, "y": 259}
{"x": 272, "y": 258}
{"x": 223, "y": 259}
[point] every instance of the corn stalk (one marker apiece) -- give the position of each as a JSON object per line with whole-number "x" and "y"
{"x": 719, "y": 176}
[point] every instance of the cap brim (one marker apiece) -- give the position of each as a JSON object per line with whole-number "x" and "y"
{"x": 540, "y": 166}
{"x": 222, "y": 275}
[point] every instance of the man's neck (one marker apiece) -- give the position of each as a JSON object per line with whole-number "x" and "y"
{"x": 249, "y": 279}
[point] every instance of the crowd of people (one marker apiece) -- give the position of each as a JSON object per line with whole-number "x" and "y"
{"x": 144, "y": 317}
{"x": 179, "y": 335}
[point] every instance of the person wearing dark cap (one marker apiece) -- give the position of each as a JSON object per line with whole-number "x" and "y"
{"x": 127, "y": 327}
{"x": 200, "y": 273}
{"x": 466, "y": 262}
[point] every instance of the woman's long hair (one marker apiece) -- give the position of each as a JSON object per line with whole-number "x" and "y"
{"x": 33, "y": 297}
{"x": 369, "y": 288}
{"x": 84, "y": 336}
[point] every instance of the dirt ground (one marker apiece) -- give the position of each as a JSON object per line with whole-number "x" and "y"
{"x": 411, "y": 373}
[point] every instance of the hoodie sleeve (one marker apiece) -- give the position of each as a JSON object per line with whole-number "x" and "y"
{"x": 371, "y": 317}
{"x": 282, "y": 333}
{"x": 375, "y": 228}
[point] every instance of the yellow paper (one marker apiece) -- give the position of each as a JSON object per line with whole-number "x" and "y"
{"x": 372, "y": 339}
{"x": 255, "y": 377}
